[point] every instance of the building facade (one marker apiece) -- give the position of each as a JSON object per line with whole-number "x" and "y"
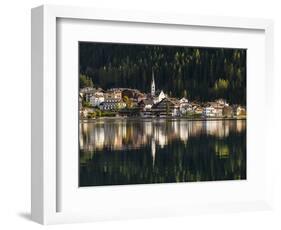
{"x": 112, "y": 105}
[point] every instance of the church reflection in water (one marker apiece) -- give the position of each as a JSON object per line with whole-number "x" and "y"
{"x": 135, "y": 151}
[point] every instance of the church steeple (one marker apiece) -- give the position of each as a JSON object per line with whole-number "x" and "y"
{"x": 152, "y": 85}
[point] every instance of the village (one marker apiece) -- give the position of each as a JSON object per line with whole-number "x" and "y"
{"x": 127, "y": 102}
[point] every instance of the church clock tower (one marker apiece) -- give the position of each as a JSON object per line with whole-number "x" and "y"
{"x": 152, "y": 85}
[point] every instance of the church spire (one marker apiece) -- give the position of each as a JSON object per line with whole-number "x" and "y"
{"x": 152, "y": 85}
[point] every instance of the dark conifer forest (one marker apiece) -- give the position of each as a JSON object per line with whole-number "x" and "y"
{"x": 197, "y": 73}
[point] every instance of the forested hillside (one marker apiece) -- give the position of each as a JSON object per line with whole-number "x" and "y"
{"x": 198, "y": 73}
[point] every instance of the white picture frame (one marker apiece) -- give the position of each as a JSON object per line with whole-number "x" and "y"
{"x": 45, "y": 91}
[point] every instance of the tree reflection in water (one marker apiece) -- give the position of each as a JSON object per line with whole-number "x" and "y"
{"x": 134, "y": 151}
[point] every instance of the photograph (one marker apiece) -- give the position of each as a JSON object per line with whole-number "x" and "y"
{"x": 151, "y": 114}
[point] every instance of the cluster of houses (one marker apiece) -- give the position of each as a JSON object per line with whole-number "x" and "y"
{"x": 132, "y": 102}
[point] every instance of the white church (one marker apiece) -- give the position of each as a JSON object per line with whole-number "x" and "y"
{"x": 161, "y": 95}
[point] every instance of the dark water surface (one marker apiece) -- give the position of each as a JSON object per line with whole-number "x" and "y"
{"x": 142, "y": 151}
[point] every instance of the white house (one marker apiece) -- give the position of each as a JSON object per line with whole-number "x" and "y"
{"x": 89, "y": 92}
{"x": 184, "y": 105}
{"x": 209, "y": 111}
{"x": 159, "y": 98}
{"x": 213, "y": 109}
{"x": 96, "y": 99}
{"x": 183, "y": 101}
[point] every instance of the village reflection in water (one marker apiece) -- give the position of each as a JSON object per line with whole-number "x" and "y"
{"x": 128, "y": 134}
{"x": 134, "y": 151}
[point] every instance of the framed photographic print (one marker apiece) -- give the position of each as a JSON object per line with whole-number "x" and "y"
{"x": 137, "y": 114}
{"x": 161, "y": 114}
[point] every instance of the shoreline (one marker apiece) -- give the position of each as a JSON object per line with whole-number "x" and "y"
{"x": 89, "y": 120}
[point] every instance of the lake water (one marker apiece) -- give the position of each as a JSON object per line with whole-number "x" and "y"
{"x": 142, "y": 151}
